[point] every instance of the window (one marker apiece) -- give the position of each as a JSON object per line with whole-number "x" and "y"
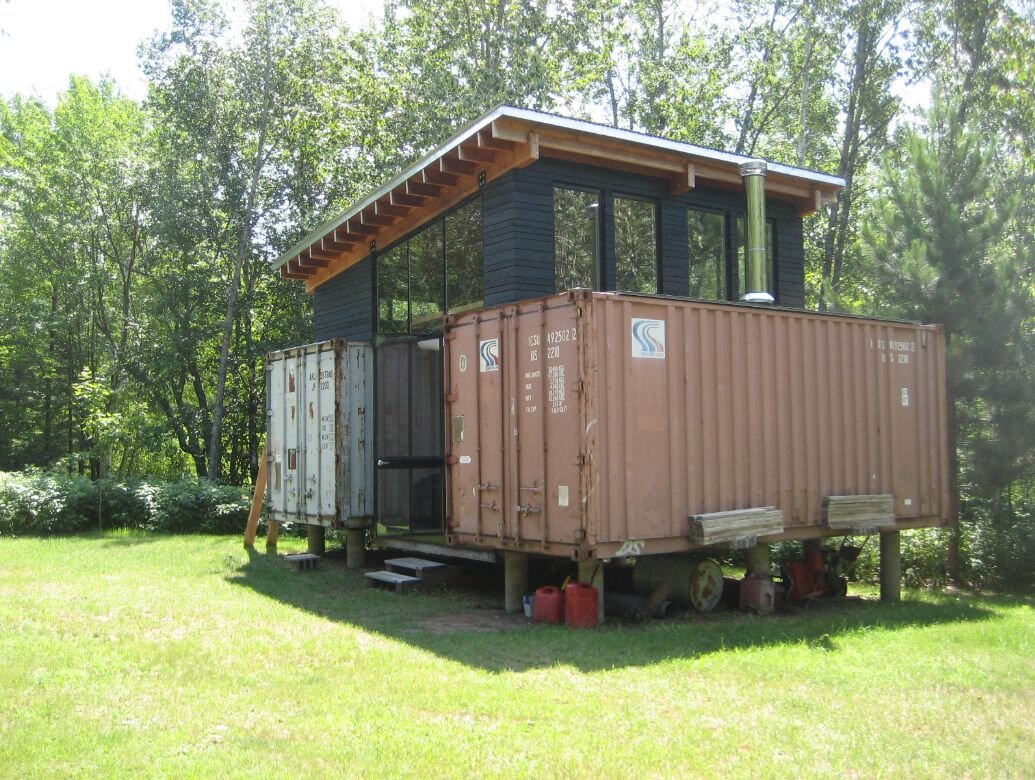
{"x": 770, "y": 257}
{"x": 465, "y": 280}
{"x": 439, "y": 266}
{"x": 393, "y": 291}
{"x": 576, "y": 243}
{"x": 427, "y": 285}
{"x": 636, "y": 246}
{"x": 706, "y": 233}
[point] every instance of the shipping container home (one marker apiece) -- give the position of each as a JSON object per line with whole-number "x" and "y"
{"x": 757, "y": 420}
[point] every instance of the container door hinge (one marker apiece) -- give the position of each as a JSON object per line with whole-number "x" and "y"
{"x": 580, "y": 386}
{"x": 580, "y": 460}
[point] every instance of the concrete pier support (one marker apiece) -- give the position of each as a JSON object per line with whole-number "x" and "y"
{"x": 317, "y": 539}
{"x": 890, "y": 566}
{"x": 515, "y": 580}
{"x": 757, "y": 560}
{"x": 355, "y": 547}
{"x": 592, "y": 571}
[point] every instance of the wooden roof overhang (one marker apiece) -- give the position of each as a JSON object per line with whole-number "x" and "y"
{"x": 508, "y": 138}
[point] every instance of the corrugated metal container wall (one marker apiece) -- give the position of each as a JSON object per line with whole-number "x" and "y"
{"x": 602, "y": 421}
{"x": 320, "y": 468}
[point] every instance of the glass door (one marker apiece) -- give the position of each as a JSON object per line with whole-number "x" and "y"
{"x": 409, "y": 445}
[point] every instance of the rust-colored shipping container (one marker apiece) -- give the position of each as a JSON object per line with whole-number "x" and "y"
{"x": 598, "y": 424}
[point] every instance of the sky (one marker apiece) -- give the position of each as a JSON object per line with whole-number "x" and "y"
{"x": 42, "y": 42}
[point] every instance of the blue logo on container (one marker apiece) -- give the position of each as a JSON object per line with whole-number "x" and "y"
{"x": 489, "y": 355}
{"x": 648, "y": 339}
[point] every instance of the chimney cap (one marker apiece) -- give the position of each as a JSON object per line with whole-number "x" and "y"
{"x": 753, "y": 168}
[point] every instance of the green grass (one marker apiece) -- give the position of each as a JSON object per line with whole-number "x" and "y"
{"x": 132, "y": 655}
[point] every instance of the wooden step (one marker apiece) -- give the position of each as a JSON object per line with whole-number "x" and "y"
{"x": 303, "y": 561}
{"x": 400, "y": 583}
{"x": 431, "y": 573}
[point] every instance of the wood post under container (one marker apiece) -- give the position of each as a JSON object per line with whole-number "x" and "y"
{"x": 890, "y": 566}
{"x": 317, "y": 539}
{"x": 757, "y": 561}
{"x": 515, "y": 580}
{"x": 355, "y": 548}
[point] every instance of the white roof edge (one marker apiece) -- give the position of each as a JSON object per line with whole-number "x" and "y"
{"x": 550, "y": 120}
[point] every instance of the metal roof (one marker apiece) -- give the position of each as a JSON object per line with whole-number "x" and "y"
{"x": 547, "y": 120}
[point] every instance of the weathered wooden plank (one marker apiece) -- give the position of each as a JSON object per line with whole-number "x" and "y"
{"x": 735, "y": 525}
{"x": 863, "y": 511}
{"x": 258, "y": 499}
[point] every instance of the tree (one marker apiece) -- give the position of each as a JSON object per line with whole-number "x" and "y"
{"x": 235, "y": 129}
{"x": 937, "y": 243}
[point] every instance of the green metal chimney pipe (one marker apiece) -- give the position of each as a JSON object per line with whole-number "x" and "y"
{"x": 756, "y": 254}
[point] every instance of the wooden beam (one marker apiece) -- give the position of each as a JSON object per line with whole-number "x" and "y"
{"x": 486, "y": 141}
{"x": 258, "y": 498}
{"x": 400, "y": 198}
{"x": 501, "y": 131}
{"x": 336, "y": 246}
{"x": 391, "y": 210}
{"x": 295, "y": 267}
{"x": 371, "y": 217}
{"x": 356, "y": 226}
{"x": 306, "y": 260}
{"x": 423, "y": 188}
{"x": 344, "y": 236}
{"x": 476, "y": 154}
{"x": 811, "y": 206}
{"x": 681, "y": 184}
{"x": 456, "y": 165}
{"x": 435, "y": 175}
{"x": 592, "y": 147}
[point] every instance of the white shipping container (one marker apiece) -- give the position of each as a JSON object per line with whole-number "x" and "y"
{"x": 319, "y": 404}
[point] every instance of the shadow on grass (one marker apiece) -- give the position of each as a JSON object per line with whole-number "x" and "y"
{"x": 466, "y": 625}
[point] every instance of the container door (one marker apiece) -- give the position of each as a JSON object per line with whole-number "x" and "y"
{"x": 410, "y": 462}
{"x": 302, "y": 434}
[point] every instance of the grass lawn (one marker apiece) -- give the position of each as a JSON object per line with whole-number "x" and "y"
{"x": 132, "y": 655}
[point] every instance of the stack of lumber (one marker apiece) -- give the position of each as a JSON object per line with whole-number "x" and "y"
{"x": 741, "y": 527}
{"x": 858, "y": 512}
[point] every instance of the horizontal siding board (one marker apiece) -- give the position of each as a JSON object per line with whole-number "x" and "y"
{"x": 344, "y": 306}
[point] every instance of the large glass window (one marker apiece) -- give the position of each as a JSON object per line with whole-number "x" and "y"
{"x": 393, "y": 291}
{"x": 636, "y": 246}
{"x": 706, "y": 234}
{"x": 427, "y": 283}
{"x": 465, "y": 279}
{"x": 576, "y": 242}
{"x": 771, "y": 259}
{"x": 439, "y": 266}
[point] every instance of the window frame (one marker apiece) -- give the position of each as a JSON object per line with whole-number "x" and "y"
{"x": 728, "y": 254}
{"x": 600, "y": 261}
{"x": 614, "y": 195}
{"x": 403, "y": 242}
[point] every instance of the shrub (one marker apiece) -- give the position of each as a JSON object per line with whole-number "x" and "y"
{"x": 38, "y": 502}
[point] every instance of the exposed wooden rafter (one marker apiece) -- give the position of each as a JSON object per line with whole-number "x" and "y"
{"x": 513, "y": 140}
{"x": 427, "y": 195}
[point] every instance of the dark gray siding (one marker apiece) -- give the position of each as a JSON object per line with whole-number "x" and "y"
{"x": 344, "y": 306}
{"x": 519, "y": 230}
{"x": 790, "y": 254}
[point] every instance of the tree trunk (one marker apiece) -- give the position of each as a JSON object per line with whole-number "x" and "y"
{"x": 243, "y": 247}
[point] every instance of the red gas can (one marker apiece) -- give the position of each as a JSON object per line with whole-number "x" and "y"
{"x": 549, "y": 605}
{"x": 581, "y": 605}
